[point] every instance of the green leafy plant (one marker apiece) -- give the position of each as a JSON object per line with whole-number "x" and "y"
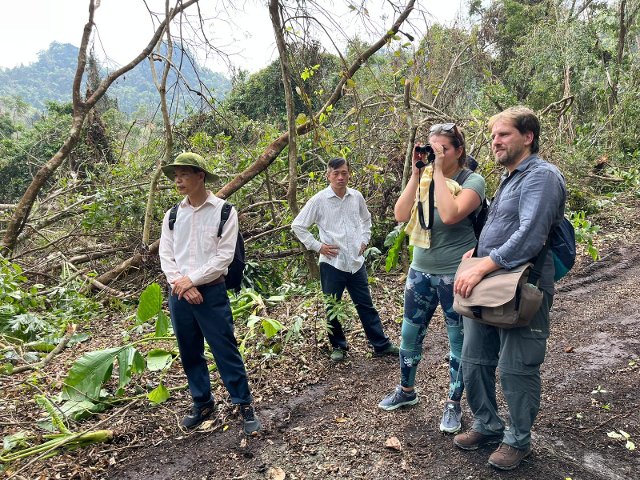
{"x": 83, "y": 388}
{"x": 598, "y": 389}
{"x": 150, "y": 306}
{"x": 629, "y": 178}
{"x": 15, "y": 298}
{"x": 338, "y": 310}
{"x": 585, "y": 232}
{"x": 294, "y": 332}
{"x": 270, "y": 326}
{"x": 394, "y": 240}
{"x": 373, "y": 256}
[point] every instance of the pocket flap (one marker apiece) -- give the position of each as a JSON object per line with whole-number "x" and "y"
{"x": 496, "y": 289}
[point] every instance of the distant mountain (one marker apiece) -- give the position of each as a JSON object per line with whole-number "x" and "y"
{"x": 51, "y": 78}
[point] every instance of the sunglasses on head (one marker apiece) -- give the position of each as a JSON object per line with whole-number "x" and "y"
{"x": 449, "y": 128}
{"x": 443, "y": 127}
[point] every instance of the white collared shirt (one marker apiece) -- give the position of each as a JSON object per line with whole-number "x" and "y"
{"x": 193, "y": 248}
{"x": 345, "y": 222}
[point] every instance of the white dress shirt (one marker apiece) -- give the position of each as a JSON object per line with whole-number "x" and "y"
{"x": 193, "y": 248}
{"x": 345, "y": 222}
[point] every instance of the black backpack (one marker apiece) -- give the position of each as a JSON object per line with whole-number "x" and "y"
{"x": 233, "y": 278}
{"x": 477, "y": 219}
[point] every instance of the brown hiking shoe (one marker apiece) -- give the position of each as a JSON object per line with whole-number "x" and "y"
{"x": 507, "y": 457}
{"x": 472, "y": 440}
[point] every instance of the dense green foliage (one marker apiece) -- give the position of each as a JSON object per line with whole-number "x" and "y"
{"x": 261, "y": 96}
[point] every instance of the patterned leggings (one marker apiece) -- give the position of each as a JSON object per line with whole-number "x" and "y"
{"x": 421, "y": 296}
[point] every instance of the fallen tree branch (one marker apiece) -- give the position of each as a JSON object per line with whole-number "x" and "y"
{"x": 281, "y": 254}
{"x": 67, "y": 440}
{"x": 132, "y": 262}
{"x": 562, "y": 105}
{"x": 61, "y": 346}
{"x": 268, "y": 232}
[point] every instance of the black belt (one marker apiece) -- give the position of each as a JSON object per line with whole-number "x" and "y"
{"x": 217, "y": 281}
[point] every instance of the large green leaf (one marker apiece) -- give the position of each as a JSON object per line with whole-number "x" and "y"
{"x": 138, "y": 365}
{"x": 79, "y": 410}
{"x": 271, "y": 326}
{"x": 158, "y": 359}
{"x": 159, "y": 394}
{"x": 394, "y": 251}
{"x": 84, "y": 380}
{"x": 162, "y": 325}
{"x": 129, "y": 362}
{"x": 16, "y": 440}
{"x": 150, "y": 302}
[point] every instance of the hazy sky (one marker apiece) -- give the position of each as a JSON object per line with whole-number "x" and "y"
{"x": 124, "y": 27}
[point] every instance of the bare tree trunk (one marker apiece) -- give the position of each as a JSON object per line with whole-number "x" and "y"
{"x": 408, "y": 156}
{"x": 168, "y": 134}
{"x": 275, "y": 12}
{"x": 267, "y": 181}
{"x": 80, "y": 109}
{"x": 565, "y": 121}
{"x": 622, "y": 36}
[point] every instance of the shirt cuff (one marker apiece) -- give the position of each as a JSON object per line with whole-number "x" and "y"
{"x": 497, "y": 258}
{"x": 315, "y": 246}
{"x": 195, "y": 279}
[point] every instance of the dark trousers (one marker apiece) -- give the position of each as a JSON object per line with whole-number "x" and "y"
{"x": 210, "y": 320}
{"x": 334, "y": 282}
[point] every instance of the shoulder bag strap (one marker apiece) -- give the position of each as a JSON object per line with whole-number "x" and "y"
{"x": 172, "y": 215}
{"x": 224, "y": 216}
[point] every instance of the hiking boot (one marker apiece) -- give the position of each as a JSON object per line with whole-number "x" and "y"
{"x": 251, "y": 423}
{"x": 397, "y": 399}
{"x": 451, "y": 418}
{"x": 390, "y": 350}
{"x": 198, "y": 415}
{"x": 338, "y": 355}
{"x": 472, "y": 440}
{"x": 507, "y": 457}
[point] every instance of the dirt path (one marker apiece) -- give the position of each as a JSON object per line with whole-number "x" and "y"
{"x": 333, "y": 429}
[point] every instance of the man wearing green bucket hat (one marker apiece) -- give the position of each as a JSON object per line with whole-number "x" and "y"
{"x": 195, "y": 260}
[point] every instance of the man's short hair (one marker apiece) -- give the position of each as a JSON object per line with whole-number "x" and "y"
{"x": 524, "y": 120}
{"x": 337, "y": 163}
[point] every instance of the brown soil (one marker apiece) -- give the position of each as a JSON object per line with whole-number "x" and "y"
{"x": 321, "y": 420}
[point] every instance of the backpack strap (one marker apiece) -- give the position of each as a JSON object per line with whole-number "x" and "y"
{"x": 463, "y": 175}
{"x": 172, "y": 215}
{"x": 224, "y": 216}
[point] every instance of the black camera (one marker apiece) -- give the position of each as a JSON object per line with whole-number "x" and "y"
{"x": 427, "y": 151}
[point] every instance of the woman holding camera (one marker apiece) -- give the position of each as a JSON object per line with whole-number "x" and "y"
{"x": 440, "y": 233}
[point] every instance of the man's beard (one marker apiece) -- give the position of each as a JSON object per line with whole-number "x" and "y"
{"x": 509, "y": 157}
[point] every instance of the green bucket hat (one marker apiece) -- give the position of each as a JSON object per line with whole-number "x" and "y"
{"x": 189, "y": 159}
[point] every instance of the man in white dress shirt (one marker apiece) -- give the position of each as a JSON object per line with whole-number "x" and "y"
{"x": 344, "y": 224}
{"x": 195, "y": 260}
